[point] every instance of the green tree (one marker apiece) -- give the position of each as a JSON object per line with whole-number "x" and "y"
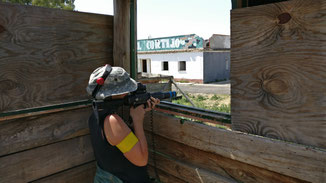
{"x": 62, "y": 4}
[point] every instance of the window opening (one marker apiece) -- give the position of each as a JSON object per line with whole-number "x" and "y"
{"x": 182, "y": 65}
{"x": 176, "y": 53}
{"x": 165, "y": 66}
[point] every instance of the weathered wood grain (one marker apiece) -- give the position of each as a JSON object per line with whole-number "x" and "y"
{"x": 47, "y": 55}
{"x": 158, "y": 87}
{"x": 46, "y": 160}
{"x": 81, "y": 174}
{"x": 121, "y": 45}
{"x": 26, "y": 133}
{"x": 294, "y": 160}
{"x": 278, "y": 71}
{"x": 146, "y": 78}
{"x": 228, "y": 168}
{"x": 30, "y": 112}
{"x": 164, "y": 177}
{"x": 187, "y": 172}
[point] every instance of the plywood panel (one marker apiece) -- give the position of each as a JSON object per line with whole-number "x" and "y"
{"x": 226, "y": 167}
{"x": 46, "y": 160}
{"x": 158, "y": 87}
{"x": 47, "y": 55}
{"x": 188, "y": 173}
{"x": 26, "y": 133}
{"x": 81, "y": 174}
{"x": 164, "y": 177}
{"x": 294, "y": 160}
{"x": 278, "y": 71}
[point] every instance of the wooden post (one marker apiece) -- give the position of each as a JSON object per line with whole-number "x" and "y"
{"x": 133, "y": 39}
{"x": 121, "y": 32}
{"x": 236, "y": 4}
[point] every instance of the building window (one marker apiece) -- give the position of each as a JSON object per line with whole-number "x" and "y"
{"x": 144, "y": 63}
{"x": 182, "y": 65}
{"x": 165, "y": 66}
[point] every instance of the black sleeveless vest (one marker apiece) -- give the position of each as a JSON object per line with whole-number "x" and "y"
{"x": 110, "y": 158}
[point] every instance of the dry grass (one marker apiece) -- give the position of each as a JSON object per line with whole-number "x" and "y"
{"x": 214, "y": 102}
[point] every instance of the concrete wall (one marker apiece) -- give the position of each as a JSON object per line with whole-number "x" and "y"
{"x": 194, "y": 64}
{"x": 216, "y": 66}
{"x": 217, "y": 41}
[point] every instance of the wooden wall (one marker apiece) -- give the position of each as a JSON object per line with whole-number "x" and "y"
{"x": 194, "y": 152}
{"x": 278, "y": 71}
{"x": 46, "y": 57}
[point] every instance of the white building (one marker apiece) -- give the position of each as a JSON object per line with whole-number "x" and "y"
{"x": 186, "y": 57}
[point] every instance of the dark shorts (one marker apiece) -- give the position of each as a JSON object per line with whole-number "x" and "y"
{"x": 103, "y": 176}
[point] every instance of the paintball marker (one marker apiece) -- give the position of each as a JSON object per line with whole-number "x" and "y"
{"x": 136, "y": 98}
{"x": 140, "y": 96}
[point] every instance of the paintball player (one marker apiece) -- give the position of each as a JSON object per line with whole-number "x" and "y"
{"x": 120, "y": 149}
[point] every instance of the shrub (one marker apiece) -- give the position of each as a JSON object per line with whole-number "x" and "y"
{"x": 201, "y": 98}
{"x": 215, "y": 97}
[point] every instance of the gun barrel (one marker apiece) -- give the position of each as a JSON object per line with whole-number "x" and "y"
{"x": 142, "y": 98}
{"x": 164, "y": 95}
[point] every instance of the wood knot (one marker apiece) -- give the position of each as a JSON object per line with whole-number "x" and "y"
{"x": 275, "y": 86}
{"x": 284, "y": 18}
{"x": 2, "y": 29}
{"x": 7, "y": 85}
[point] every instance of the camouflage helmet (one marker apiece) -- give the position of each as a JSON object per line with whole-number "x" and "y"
{"x": 117, "y": 82}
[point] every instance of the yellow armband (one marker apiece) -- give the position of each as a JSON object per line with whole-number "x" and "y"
{"x": 127, "y": 143}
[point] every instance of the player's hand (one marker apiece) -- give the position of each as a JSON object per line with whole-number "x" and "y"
{"x": 151, "y": 103}
{"x": 137, "y": 113}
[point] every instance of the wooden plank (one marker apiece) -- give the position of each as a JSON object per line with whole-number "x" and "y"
{"x": 164, "y": 177}
{"x": 46, "y": 160}
{"x": 278, "y": 71}
{"x": 186, "y": 172}
{"x": 47, "y": 55}
{"x": 294, "y": 160}
{"x": 81, "y": 174}
{"x": 26, "y": 133}
{"x": 195, "y": 118}
{"x": 146, "y": 78}
{"x": 231, "y": 169}
{"x": 121, "y": 45}
{"x": 158, "y": 87}
{"x": 195, "y": 113}
{"x": 36, "y": 111}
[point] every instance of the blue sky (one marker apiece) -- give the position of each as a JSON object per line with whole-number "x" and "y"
{"x": 161, "y": 18}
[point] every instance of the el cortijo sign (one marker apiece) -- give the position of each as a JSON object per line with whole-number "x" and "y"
{"x": 170, "y": 43}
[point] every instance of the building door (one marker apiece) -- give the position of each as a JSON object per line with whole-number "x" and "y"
{"x": 144, "y": 65}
